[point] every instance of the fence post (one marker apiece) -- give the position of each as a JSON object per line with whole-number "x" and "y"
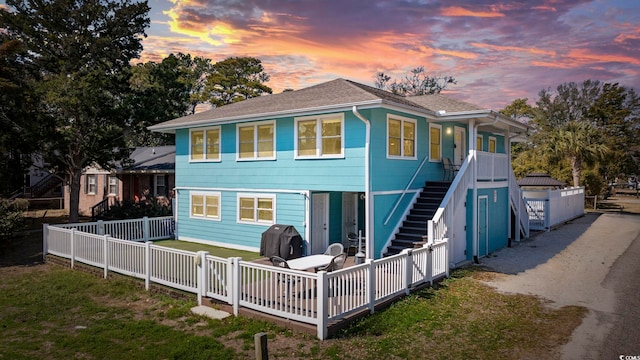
{"x": 106, "y": 255}
{"x": 236, "y": 285}
{"x": 145, "y": 229}
{"x": 147, "y": 264}
{"x": 203, "y": 274}
{"x": 45, "y": 241}
{"x": 430, "y": 231}
{"x": 323, "y": 305}
{"x": 429, "y": 268}
{"x": 371, "y": 285}
{"x": 547, "y": 213}
{"x": 100, "y": 227}
{"x": 73, "y": 240}
{"x": 408, "y": 269}
{"x": 446, "y": 256}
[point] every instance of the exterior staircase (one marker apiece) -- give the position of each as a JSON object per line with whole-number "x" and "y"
{"x": 414, "y": 228}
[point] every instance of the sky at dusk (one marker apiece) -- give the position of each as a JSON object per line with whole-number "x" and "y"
{"x": 498, "y": 51}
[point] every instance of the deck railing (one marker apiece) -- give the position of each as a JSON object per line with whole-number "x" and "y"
{"x": 144, "y": 229}
{"x": 314, "y": 298}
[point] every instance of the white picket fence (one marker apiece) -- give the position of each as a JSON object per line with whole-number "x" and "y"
{"x": 548, "y": 208}
{"x": 314, "y": 298}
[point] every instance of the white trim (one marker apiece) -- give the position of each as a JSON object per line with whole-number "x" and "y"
{"x": 495, "y": 146}
{"x": 402, "y": 120}
{"x": 220, "y": 244}
{"x": 204, "y": 145}
{"x": 204, "y": 216}
{"x": 255, "y": 126}
{"x": 256, "y": 197}
{"x": 248, "y": 190}
{"x": 492, "y": 185}
{"x": 318, "y": 119}
{"x": 88, "y": 184}
{"x": 395, "y": 192}
{"x": 432, "y": 125}
{"x": 481, "y": 142}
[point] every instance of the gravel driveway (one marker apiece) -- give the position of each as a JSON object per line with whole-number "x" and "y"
{"x": 582, "y": 263}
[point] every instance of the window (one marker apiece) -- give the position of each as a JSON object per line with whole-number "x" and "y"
{"x": 112, "y": 182}
{"x": 479, "y": 143}
{"x": 435, "y": 142}
{"x": 319, "y": 137}
{"x": 256, "y": 141}
{"x": 205, "y": 144}
{"x": 160, "y": 185}
{"x": 205, "y": 205}
{"x": 256, "y": 209}
{"x": 401, "y": 137}
{"x": 91, "y": 184}
{"x": 492, "y": 144}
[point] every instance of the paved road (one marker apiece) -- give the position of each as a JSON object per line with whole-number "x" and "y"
{"x": 593, "y": 262}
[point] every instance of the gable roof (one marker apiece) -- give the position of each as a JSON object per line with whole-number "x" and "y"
{"x": 159, "y": 159}
{"x": 335, "y": 94}
{"x": 540, "y": 180}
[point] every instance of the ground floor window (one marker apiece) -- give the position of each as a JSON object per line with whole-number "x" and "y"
{"x": 256, "y": 208}
{"x": 205, "y": 205}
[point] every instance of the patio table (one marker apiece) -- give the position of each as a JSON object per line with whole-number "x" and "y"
{"x": 310, "y": 262}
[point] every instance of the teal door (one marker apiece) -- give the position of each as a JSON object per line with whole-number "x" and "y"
{"x": 483, "y": 234}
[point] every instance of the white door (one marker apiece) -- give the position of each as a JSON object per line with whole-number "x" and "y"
{"x": 459, "y": 145}
{"x": 319, "y": 223}
{"x": 349, "y": 215}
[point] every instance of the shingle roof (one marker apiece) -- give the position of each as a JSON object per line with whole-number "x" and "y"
{"x": 540, "y": 180}
{"x": 335, "y": 93}
{"x": 152, "y": 159}
{"x": 439, "y": 102}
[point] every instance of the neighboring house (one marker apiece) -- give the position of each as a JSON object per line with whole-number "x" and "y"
{"x": 341, "y": 157}
{"x": 152, "y": 172}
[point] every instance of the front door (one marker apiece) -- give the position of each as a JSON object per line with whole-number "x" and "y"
{"x": 483, "y": 226}
{"x": 459, "y": 148}
{"x": 319, "y": 223}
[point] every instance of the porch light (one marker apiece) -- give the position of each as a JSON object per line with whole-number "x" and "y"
{"x": 448, "y": 131}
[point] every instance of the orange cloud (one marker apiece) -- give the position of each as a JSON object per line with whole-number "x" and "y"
{"x": 515, "y": 49}
{"x": 460, "y": 11}
{"x": 587, "y": 56}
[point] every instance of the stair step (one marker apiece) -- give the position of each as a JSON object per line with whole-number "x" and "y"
{"x": 409, "y": 236}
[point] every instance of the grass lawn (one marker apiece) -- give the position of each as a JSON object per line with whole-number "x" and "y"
{"x": 213, "y": 250}
{"x": 48, "y": 311}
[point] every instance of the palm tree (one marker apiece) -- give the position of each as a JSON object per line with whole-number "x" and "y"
{"x": 577, "y": 141}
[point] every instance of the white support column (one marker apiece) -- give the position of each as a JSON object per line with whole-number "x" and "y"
{"x": 322, "y": 305}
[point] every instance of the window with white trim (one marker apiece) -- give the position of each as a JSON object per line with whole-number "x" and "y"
{"x": 112, "y": 185}
{"x": 319, "y": 136}
{"x": 492, "y": 144}
{"x": 401, "y": 137}
{"x": 205, "y": 144}
{"x": 256, "y": 209}
{"x": 479, "y": 143}
{"x": 91, "y": 184}
{"x": 435, "y": 142}
{"x": 256, "y": 141}
{"x": 160, "y": 186}
{"x": 205, "y": 205}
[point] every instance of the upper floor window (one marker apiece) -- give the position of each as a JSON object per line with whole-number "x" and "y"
{"x": 205, "y": 205}
{"x": 256, "y": 208}
{"x": 479, "y": 143}
{"x": 492, "y": 144}
{"x": 319, "y": 136}
{"x": 91, "y": 184}
{"x": 401, "y": 137}
{"x": 435, "y": 142}
{"x": 205, "y": 144}
{"x": 256, "y": 141}
{"x": 113, "y": 185}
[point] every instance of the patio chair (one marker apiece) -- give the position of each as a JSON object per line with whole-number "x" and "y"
{"x": 449, "y": 169}
{"x": 352, "y": 238}
{"x": 278, "y": 261}
{"x": 336, "y": 263}
{"x": 334, "y": 249}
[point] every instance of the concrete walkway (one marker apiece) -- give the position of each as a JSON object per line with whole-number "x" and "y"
{"x": 577, "y": 264}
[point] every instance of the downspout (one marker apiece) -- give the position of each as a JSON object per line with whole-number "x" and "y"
{"x": 474, "y": 200}
{"x": 367, "y": 185}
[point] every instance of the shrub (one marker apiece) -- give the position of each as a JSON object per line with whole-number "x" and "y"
{"x": 11, "y": 216}
{"x": 151, "y": 207}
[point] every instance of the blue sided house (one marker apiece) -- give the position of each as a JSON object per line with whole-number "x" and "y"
{"x": 341, "y": 157}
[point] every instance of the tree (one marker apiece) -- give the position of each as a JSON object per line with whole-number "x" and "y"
{"x": 579, "y": 142}
{"x": 236, "y": 79}
{"x": 79, "y": 53}
{"x": 417, "y": 82}
{"x": 519, "y": 110}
